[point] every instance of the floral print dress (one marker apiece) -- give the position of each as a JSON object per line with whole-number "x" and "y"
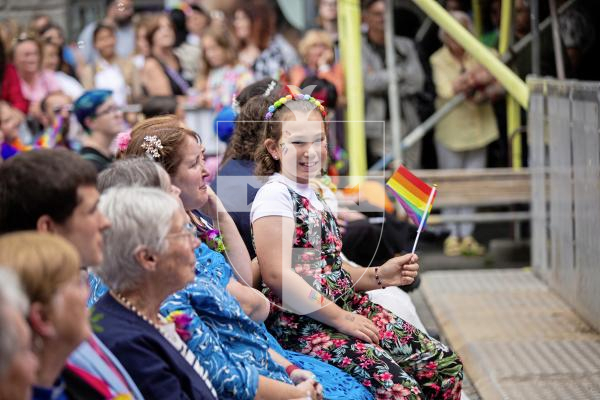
{"x": 407, "y": 363}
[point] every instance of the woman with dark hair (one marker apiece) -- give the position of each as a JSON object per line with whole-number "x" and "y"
{"x": 162, "y": 74}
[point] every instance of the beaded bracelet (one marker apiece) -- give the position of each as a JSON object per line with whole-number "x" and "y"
{"x": 378, "y": 279}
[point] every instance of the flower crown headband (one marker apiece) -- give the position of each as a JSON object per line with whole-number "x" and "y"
{"x": 297, "y": 97}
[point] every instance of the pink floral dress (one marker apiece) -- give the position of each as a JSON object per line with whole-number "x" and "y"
{"x": 407, "y": 364}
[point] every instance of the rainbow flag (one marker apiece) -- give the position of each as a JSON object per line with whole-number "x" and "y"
{"x": 412, "y": 194}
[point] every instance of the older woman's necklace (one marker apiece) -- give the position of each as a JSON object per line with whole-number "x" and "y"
{"x": 125, "y": 301}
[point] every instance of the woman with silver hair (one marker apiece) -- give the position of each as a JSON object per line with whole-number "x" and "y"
{"x": 18, "y": 363}
{"x": 149, "y": 255}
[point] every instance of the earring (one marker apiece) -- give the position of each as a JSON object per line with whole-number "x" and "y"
{"x": 275, "y": 158}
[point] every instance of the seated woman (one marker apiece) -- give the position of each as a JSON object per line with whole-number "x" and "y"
{"x": 73, "y": 364}
{"x": 231, "y": 377}
{"x": 149, "y": 254}
{"x": 322, "y": 308}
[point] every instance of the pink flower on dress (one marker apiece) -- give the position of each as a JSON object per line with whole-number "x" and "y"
{"x": 360, "y": 347}
{"x": 366, "y": 383}
{"x": 346, "y": 361}
{"x": 339, "y": 342}
{"x": 323, "y": 355}
{"x": 386, "y": 335}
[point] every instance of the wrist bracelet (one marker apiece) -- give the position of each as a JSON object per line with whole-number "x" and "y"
{"x": 378, "y": 279}
{"x": 291, "y": 368}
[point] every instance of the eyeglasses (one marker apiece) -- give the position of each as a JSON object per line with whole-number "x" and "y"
{"x": 189, "y": 230}
{"x": 109, "y": 110}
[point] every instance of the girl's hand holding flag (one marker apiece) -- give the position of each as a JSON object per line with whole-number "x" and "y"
{"x": 399, "y": 271}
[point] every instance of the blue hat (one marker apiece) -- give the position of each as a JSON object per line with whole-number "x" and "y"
{"x": 87, "y": 104}
{"x": 224, "y": 123}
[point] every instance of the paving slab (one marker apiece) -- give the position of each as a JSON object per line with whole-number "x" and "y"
{"x": 516, "y": 337}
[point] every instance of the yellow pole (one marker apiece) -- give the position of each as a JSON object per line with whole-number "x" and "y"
{"x": 477, "y": 21}
{"x": 513, "y": 84}
{"x": 350, "y": 47}
{"x": 513, "y": 111}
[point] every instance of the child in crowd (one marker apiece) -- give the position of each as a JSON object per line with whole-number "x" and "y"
{"x": 322, "y": 309}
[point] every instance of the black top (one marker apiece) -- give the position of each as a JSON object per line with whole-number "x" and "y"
{"x": 237, "y": 188}
{"x": 99, "y": 160}
{"x": 154, "y": 364}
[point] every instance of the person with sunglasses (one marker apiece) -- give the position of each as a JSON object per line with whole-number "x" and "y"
{"x": 102, "y": 120}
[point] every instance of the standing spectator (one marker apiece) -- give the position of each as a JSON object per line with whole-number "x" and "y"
{"x": 102, "y": 120}
{"x": 462, "y": 136}
{"x": 162, "y": 73}
{"x": 197, "y": 19}
{"x": 409, "y": 74}
{"x": 119, "y": 12}
{"x": 18, "y": 363}
{"x": 35, "y": 81}
{"x": 109, "y": 71}
{"x": 52, "y": 61}
{"x": 267, "y": 52}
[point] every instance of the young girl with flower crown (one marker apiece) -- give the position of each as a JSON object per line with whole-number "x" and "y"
{"x": 321, "y": 305}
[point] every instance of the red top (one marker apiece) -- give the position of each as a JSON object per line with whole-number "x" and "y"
{"x": 11, "y": 89}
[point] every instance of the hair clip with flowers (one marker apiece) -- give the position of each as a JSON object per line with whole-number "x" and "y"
{"x": 153, "y": 146}
{"x": 297, "y": 97}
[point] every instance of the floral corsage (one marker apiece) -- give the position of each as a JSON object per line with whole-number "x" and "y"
{"x": 182, "y": 324}
{"x": 213, "y": 239}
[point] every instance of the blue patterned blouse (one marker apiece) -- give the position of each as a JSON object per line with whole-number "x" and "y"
{"x": 232, "y": 347}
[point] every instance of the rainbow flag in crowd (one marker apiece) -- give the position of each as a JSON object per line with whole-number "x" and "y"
{"x": 415, "y": 196}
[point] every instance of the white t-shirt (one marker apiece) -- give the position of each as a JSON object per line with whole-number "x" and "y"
{"x": 274, "y": 199}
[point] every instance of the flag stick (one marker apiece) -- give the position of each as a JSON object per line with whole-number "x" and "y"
{"x": 425, "y": 215}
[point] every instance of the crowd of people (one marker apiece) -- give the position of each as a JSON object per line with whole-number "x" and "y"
{"x": 128, "y": 271}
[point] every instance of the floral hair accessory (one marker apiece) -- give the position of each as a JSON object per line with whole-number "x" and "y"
{"x": 270, "y": 88}
{"x": 152, "y": 145}
{"x": 297, "y": 97}
{"x": 123, "y": 140}
{"x": 182, "y": 324}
